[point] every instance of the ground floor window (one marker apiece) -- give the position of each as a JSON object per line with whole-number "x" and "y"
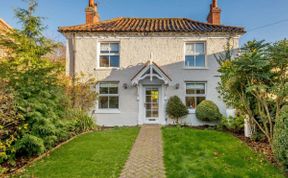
{"x": 108, "y": 95}
{"x": 195, "y": 94}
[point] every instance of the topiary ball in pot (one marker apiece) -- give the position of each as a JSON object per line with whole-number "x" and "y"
{"x": 208, "y": 111}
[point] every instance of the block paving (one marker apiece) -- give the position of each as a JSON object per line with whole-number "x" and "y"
{"x": 146, "y": 157}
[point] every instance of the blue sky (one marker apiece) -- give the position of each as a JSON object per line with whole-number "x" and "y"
{"x": 247, "y": 13}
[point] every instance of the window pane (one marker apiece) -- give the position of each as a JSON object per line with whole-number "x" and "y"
{"x": 113, "y": 90}
{"x": 189, "y": 49}
{"x": 190, "y": 91}
{"x": 200, "y": 48}
{"x": 148, "y": 113}
{"x": 200, "y": 61}
{"x": 148, "y": 106}
{"x": 190, "y": 102}
{"x": 104, "y": 47}
{"x": 155, "y": 113}
{"x": 103, "y": 90}
{"x": 114, "y": 61}
{"x": 114, "y": 48}
{"x": 103, "y": 102}
{"x": 148, "y": 92}
{"x": 104, "y": 61}
{"x": 155, "y": 106}
{"x": 113, "y": 102}
{"x": 195, "y": 88}
{"x": 200, "y": 91}
{"x": 189, "y": 61}
{"x": 148, "y": 99}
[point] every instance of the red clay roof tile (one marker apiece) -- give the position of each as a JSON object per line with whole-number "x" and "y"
{"x": 152, "y": 25}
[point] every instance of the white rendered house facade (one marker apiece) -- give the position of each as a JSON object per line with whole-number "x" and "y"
{"x": 140, "y": 63}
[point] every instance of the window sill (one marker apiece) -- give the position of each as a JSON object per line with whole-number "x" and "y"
{"x": 107, "y": 111}
{"x": 195, "y": 68}
{"x": 107, "y": 68}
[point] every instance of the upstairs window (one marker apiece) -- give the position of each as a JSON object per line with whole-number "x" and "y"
{"x": 108, "y": 95}
{"x": 109, "y": 55}
{"x": 195, "y": 94}
{"x": 195, "y": 55}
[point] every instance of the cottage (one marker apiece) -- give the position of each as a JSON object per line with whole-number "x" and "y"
{"x": 140, "y": 62}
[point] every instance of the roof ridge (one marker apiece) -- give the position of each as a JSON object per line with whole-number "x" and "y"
{"x": 142, "y": 24}
{"x": 167, "y": 18}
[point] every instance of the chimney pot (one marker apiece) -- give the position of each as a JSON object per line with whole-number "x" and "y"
{"x": 92, "y": 15}
{"x": 214, "y": 16}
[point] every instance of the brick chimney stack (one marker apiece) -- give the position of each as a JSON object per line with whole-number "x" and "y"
{"x": 214, "y": 16}
{"x": 92, "y": 15}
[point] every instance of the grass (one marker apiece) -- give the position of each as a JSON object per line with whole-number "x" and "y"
{"x": 98, "y": 154}
{"x": 207, "y": 153}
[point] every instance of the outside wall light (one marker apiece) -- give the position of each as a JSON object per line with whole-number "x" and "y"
{"x": 177, "y": 86}
{"x": 125, "y": 86}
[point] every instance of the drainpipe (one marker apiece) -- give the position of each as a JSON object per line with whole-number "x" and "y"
{"x": 73, "y": 42}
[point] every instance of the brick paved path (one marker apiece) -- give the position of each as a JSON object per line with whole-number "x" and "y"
{"x": 146, "y": 156}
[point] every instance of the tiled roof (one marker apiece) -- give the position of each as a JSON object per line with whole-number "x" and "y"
{"x": 4, "y": 27}
{"x": 152, "y": 25}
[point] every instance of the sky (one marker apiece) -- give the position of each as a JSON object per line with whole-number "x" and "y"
{"x": 262, "y": 19}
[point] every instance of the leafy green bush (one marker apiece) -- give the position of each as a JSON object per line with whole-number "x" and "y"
{"x": 280, "y": 139}
{"x": 35, "y": 94}
{"x": 235, "y": 125}
{"x": 208, "y": 111}
{"x": 82, "y": 121}
{"x": 11, "y": 123}
{"x": 175, "y": 108}
{"x": 255, "y": 83}
{"x": 30, "y": 145}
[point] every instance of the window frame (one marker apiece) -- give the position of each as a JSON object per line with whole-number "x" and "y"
{"x": 205, "y": 55}
{"x": 192, "y": 110}
{"x": 108, "y": 110}
{"x": 99, "y": 54}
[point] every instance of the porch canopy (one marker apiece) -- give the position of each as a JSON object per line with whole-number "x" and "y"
{"x": 152, "y": 72}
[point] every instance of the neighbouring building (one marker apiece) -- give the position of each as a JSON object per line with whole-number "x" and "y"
{"x": 140, "y": 62}
{"x": 4, "y": 28}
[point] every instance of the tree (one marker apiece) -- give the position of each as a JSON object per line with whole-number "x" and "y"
{"x": 255, "y": 83}
{"x": 175, "y": 109}
{"x": 35, "y": 102}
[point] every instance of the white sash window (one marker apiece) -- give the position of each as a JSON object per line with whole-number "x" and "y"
{"x": 109, "y": 55}
{"x": 195, "y": 55}
{"x": 195, "y": 94}
{"x": 108, "y": 95}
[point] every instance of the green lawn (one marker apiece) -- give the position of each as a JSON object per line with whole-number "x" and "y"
{"x": 206, "y": 153}
{"x": 98, "y": 154}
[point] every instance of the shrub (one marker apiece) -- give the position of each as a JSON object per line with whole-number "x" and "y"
{"x": 83, "y": 122}
{"x": 35, "y": 94}
{"x": 235, "y": 125}
{"x": 30, "y": 145}
{"x": 208, "y": 111}
{"x": 81, "y": 94}
{"x": 11, "y": 123}
{"x": 175, "y": 108}
{"x": 280, "y": 139}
